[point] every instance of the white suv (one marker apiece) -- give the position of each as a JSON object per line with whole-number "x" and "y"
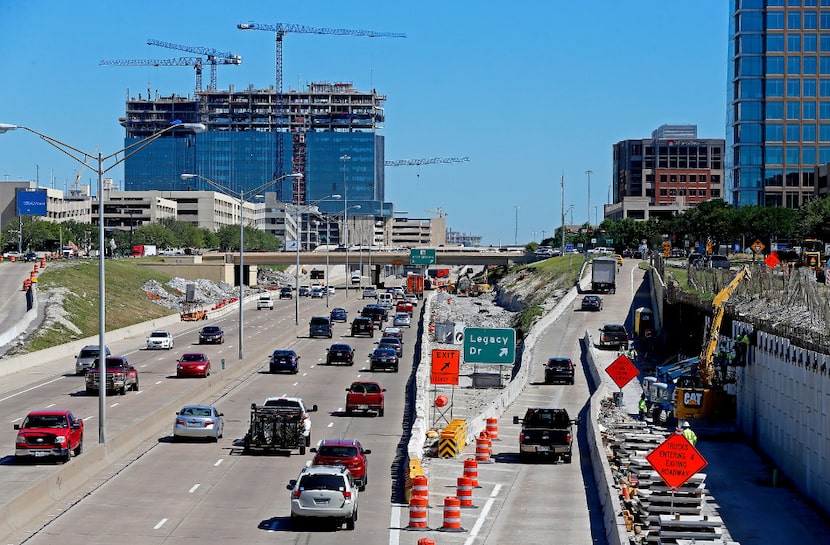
{"x": 295, "y": 402}
{"x": 323, "y": 492}
{"x": 265, "y": 301}
{"x": 160, "y": 339}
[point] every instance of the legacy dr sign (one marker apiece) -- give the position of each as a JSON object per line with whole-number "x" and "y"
{"x": 489, "y": 345}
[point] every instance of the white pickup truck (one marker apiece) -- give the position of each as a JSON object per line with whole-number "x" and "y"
{"x": 265, "y": 301}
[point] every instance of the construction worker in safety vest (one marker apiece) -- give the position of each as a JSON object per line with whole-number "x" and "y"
{"x": 689, "y": 434}
{"x": 642, "y": 408}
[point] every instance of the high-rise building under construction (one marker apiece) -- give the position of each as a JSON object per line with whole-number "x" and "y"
{"x": 327, "y": 132}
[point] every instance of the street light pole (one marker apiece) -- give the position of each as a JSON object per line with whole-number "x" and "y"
{"x": 516, "y": 228}
{"x": 345, "y": 158}
{"x": 83, "y": 158}
{"x": 328, "y": 280}
{"x": 589, "y": 172}
{"x": 562, "y": 185}
{"x": 240, "y": 196}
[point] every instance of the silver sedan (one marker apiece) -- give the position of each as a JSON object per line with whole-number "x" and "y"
{"x": 199, "y": 421}
{"x": 402, "y": 319}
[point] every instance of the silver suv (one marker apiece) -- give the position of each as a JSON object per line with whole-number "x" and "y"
{"x": 86, "y": 357}
{"x": 323, "y": 492}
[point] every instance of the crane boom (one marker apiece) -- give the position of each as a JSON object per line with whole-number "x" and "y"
{"x": 214, "y": 57}
{"x": 426, "y": 161}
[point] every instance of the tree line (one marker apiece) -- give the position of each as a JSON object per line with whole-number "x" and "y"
{"x": 39, "y": 235}
{"x": 715, "y": 221}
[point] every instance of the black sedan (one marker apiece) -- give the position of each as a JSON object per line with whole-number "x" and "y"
{"x": 363, "y": 326}
{"x": 211, "y": 334}
{"x": 591, "y": 302}
{"x": 383, "y": 358}
{"x": 284, "y": 360}
{"x": 340, "y": 353}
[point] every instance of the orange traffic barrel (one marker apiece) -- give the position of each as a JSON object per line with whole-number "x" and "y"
{"x": 483, "y": 449}
{"x": 425, "y": 541}
{"x": 42, "y": 262}
{"x": 35, "y": 268}
{"x": 13, "y": 258}
{"x": 420, "y": 488}
{"x": 471, "y": 471}
{"x": 452, "y": 515}
{"x": 464, "y": 491}
{"x": 493, "y": 429}
{"x": 417, "y": 512}
{"x": 27, "y": 284}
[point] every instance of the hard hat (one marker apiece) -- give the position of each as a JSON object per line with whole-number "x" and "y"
{"x": 685, "y": 425}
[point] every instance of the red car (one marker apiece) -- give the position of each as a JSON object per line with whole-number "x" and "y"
{"x": 346, "y": 452}
{"x": 193, "y": 364}
{"x": 365, "y": 396}
{"x": 49, "y": 433}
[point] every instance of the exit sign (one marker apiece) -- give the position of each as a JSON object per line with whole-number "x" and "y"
{"x": 489, "y": 345}
{"x": 421, "y": 256}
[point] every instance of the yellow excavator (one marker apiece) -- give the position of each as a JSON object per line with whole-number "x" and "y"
{"x": 699, "y": 393}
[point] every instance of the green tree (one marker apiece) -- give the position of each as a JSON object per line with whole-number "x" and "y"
{"x": 154, "y": 234}
{"x": 815, "y": 219}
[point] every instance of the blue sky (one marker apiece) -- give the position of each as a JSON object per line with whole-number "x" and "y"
{"x": 527, "y": 90}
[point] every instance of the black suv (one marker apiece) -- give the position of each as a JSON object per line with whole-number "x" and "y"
{"x": 319, "y": 326}
{"x": 376, "y": 313}
{"x": 286, "y": 293}
{"x": 559, "y": 370}
{"x": 363, "y": 326}
{"x": 339, "y": 352}
{"x": 211, "y": 334}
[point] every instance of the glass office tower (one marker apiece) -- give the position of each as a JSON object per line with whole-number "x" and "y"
{"x": 778, "y": 106}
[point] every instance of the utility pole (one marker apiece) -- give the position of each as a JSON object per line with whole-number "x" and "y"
{"x": 589, "y": 172}
{"x": 516, "y": 228}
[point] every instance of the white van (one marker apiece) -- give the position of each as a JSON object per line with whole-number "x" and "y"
{"x": 385, "y": 299}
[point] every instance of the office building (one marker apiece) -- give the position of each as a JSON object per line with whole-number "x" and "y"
{"x": 778, "y": 100}
{"x": 247, "y": 144}
{"x": 661, "y": 176}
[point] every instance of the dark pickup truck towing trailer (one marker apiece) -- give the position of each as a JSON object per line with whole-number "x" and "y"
{"x": 546, "y": 432}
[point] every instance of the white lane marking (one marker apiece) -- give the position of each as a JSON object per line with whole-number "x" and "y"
{"x": 32, "y": 388}
{"x": 50, "y": 405}
{"x": 632, "y": 281}
{"x": 114, "y": 405}
{"x": 395, "y": 525}
{"x": 484, "y": 511}
{"x": 218, "y": 462}
{"x": 18, "y": 419}
{"x": 145, "y": 365}
{"x": 139, "y": 392}
{"x": 157, "y": 383}
{"x": 331, "y": 425}
{"x": 193, "y": 488}
{"x": 160, "y": 524}
{"x": 90, "y": 417}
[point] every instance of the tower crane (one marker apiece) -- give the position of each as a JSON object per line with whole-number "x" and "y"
{"x": 280, "y": 30}
{"x": 195, "y": 62}
{"x": 438, "y": 212}
{"x": 426, "y": 161}
{"x": 214, "y": 57}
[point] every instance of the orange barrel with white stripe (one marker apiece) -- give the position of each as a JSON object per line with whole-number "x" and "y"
{"x": 452, "y": 515}
{"x": 420, "y": 487}
{"x": 483, "y": 449}
{"x": 464, "y": 491}
{"x": 417, "y": 512}
{"x": 493, "y": 429}
{"x": 471, "y": 471}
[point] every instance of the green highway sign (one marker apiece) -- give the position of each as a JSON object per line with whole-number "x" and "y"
{"x": 418, "y": 256}
{"x": 489, "y": 345}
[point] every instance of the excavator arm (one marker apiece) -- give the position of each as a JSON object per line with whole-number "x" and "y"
{"x": 707, "y": 355}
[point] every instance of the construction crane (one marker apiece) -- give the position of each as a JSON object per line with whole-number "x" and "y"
{"x": 426, "y": 161}
{"x": 280, "y": 30}
{"x": 195, "y": 62}
{"x": 438, "y": 212}
{"x": 214, "y": 57}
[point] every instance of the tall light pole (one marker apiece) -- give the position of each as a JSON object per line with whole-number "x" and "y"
{"x": 570, "y": 208}
{"x": 241, "y": 197}
{"x": 562, "y": 185}
{"x": 297, "y": 264}
{"x": 84, "y": 158}
{"x": 516, "y": 228}
{"x": 345, "y": 158}
{"x": 589, "y": 172}
{"x": 596, "y": 216}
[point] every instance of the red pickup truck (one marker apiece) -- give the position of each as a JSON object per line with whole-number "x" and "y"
{"x": 49, "y": 433}
{"x": 365, "y": 396}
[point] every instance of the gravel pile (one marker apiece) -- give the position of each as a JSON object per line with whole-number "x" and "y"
{"x": 206, "y": 291}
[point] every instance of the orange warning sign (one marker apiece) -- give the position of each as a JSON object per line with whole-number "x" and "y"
{"x": 445, "y": 367}
{"x": 676, "y": 460}
{"x": 622, "y": 370}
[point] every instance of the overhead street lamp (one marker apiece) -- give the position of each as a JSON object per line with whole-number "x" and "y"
{"x": 99, "y": 158}
{"x": 570, "y": 208}
{"x": 345, "y": 213}
{"x": 297, "y": 264}
{"x": 345, "y": 158}
{"x": 241, "y": 196}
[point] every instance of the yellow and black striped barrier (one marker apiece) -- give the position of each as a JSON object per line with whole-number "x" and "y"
{"x": 415, "y": 470}
{"x": 453, "y": 439}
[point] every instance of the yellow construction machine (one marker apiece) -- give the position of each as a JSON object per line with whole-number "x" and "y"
{"x": 699, "y": 392}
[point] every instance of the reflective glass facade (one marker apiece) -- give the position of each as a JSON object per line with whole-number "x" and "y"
{"x": 778, "y": 103}
{"x": 364, "y": 180}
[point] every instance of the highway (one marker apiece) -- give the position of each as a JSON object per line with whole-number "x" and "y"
{"x": 180, "y": 492}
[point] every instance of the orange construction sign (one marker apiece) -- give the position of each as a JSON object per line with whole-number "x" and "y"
{"x": 445, "y": 367}
{"x": 676, "y": 460}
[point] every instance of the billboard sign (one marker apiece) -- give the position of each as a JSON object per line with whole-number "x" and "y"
{"x": 31, "y": 203}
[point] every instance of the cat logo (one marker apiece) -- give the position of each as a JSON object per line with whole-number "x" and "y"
{"x": 692, "y": 399}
